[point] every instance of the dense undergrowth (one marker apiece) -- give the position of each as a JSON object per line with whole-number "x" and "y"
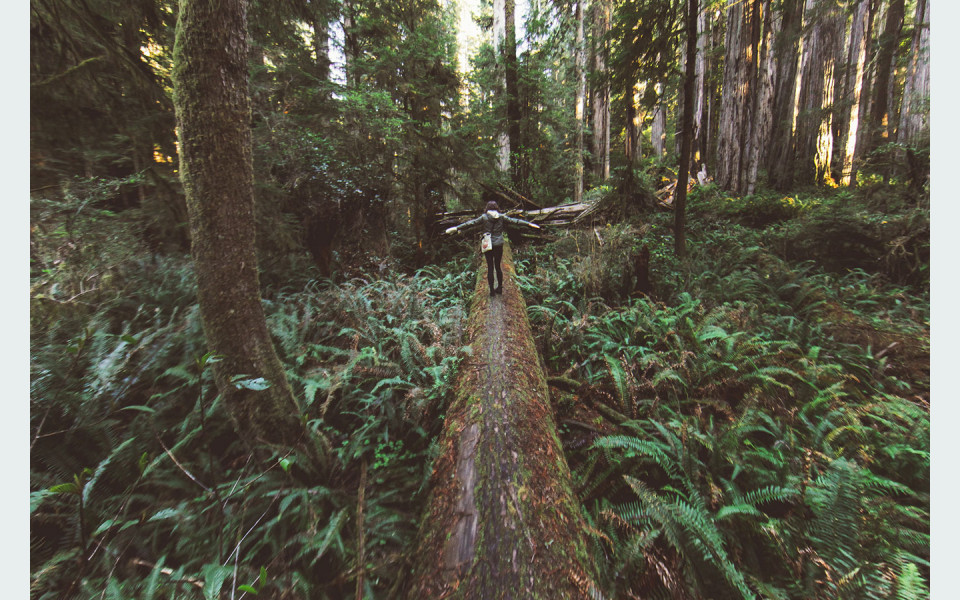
{"x": 141, "y": 489}
{"x": 757, "y": 425}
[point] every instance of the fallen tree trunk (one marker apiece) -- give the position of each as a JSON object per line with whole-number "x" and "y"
{"x": 501, "y": 520}
{"x": 554, "y": 215}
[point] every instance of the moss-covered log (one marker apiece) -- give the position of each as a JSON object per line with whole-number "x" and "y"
{"x": 501, "y": 521}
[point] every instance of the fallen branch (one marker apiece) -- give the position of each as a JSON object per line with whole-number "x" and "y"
{"x": 519, "y": 197}
{"x": 166, "y": 571}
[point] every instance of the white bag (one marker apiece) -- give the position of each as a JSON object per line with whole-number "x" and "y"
{"x": 486, "y": 243}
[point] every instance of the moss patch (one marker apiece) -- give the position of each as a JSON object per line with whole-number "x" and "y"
{"x": 529, "y": 540}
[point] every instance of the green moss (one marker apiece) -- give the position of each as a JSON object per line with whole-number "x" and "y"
{"x": 541, "y": 520}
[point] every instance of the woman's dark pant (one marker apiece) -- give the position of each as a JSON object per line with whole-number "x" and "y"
{"x": 493, "y": 260}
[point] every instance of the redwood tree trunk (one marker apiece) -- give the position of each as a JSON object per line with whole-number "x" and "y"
{"x": 212, "y": 102}
{"x": 351, "y": 45}
{"x": 580, "y": 69}
{"x": 701, "y": 110}
{"x": 762, "y": 109}
{"x": 814, "y": 132}
{"x": 658, "y": 129}
{"x": 601, "y": 96}
{"x": 512, "y": 89}
{"x": 686, "y": 133}
{"x": 880, "y": 114}
{"x": 499, "y": 39}
{"x": 786, "y": 49}
{"x": 860, "y": 31}
{"x": 915, "y": 114}
{"x": 739, "y": 83}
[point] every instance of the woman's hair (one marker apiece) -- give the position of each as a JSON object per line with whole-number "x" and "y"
{"x": 492, "y": 205}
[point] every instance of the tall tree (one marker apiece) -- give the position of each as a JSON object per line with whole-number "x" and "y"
{"x": 499, "y": 42}
{"x": 915, "y": 113}
{"x": 212, "y": 102}
{"x": 644, "y": 38}
{"x": 511, "y": 86}
{"x": 813, "y": 145}
{"x": 856, "y": 88}
{"x": 600, "y": 93}
{"x": 600, "y": 96}
{"x": 880, "y": 130}
{"x": 779, "y": 163}
{"x": 701, "y": 110}
{"x": 631, "y": 134}
{"x": 318, "y": 14}
{"x": 686, "y": 132}
{"x": 762, "y": 102}
{"x": 658, "y": 128}
{"x": 580, "y": 70}
{"x": 739, "y": 93}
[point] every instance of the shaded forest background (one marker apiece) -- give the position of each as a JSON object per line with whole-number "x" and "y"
{"x": 746, "y": 415}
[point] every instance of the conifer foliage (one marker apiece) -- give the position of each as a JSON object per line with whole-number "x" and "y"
{"x": 747, "y": 419}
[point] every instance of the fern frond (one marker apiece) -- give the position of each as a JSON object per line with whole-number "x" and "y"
{"x": 640, "y": 447}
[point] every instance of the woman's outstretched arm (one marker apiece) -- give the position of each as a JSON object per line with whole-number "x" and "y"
{"x": 464, "y": 226}
{"x": 518, "y": 222}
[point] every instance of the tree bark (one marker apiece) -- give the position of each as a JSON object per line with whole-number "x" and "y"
{"x": 915, "y": 114}
{"x": 686, "y": 134}
{"x": 499, "y": 39}
{"x": 601, "y": 96}
{"x": 512, "y": 88}
{"x": 631, "y": 137}
{"x": 501, "y": 520}
{"x": 779, "y": 162}
{"x": 658, "y": 129}
{"x": 762, "y": 109}
{"x": 321, "y": 39}
{"x": 212, "y": 102}
{"x": 841, "y": 101}
{"x": 860, "y": 31}
{"x": 814, "y": 131}
{"x": 351, "y": 46}
{"x": 580, "y": 70}
{"x": 880, "y": 116}
{"x": 739, "y": 83}
{"x": 701, "y": 111}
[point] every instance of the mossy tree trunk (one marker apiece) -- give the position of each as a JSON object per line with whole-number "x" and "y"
{"x": 212, "y": 102}
{"x": 501, "y": 520}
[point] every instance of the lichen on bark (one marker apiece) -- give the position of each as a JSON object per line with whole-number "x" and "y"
{"x": 212, "y": 103}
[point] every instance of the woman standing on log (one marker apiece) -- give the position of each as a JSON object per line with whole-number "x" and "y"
{"x": 492, "y": 221}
